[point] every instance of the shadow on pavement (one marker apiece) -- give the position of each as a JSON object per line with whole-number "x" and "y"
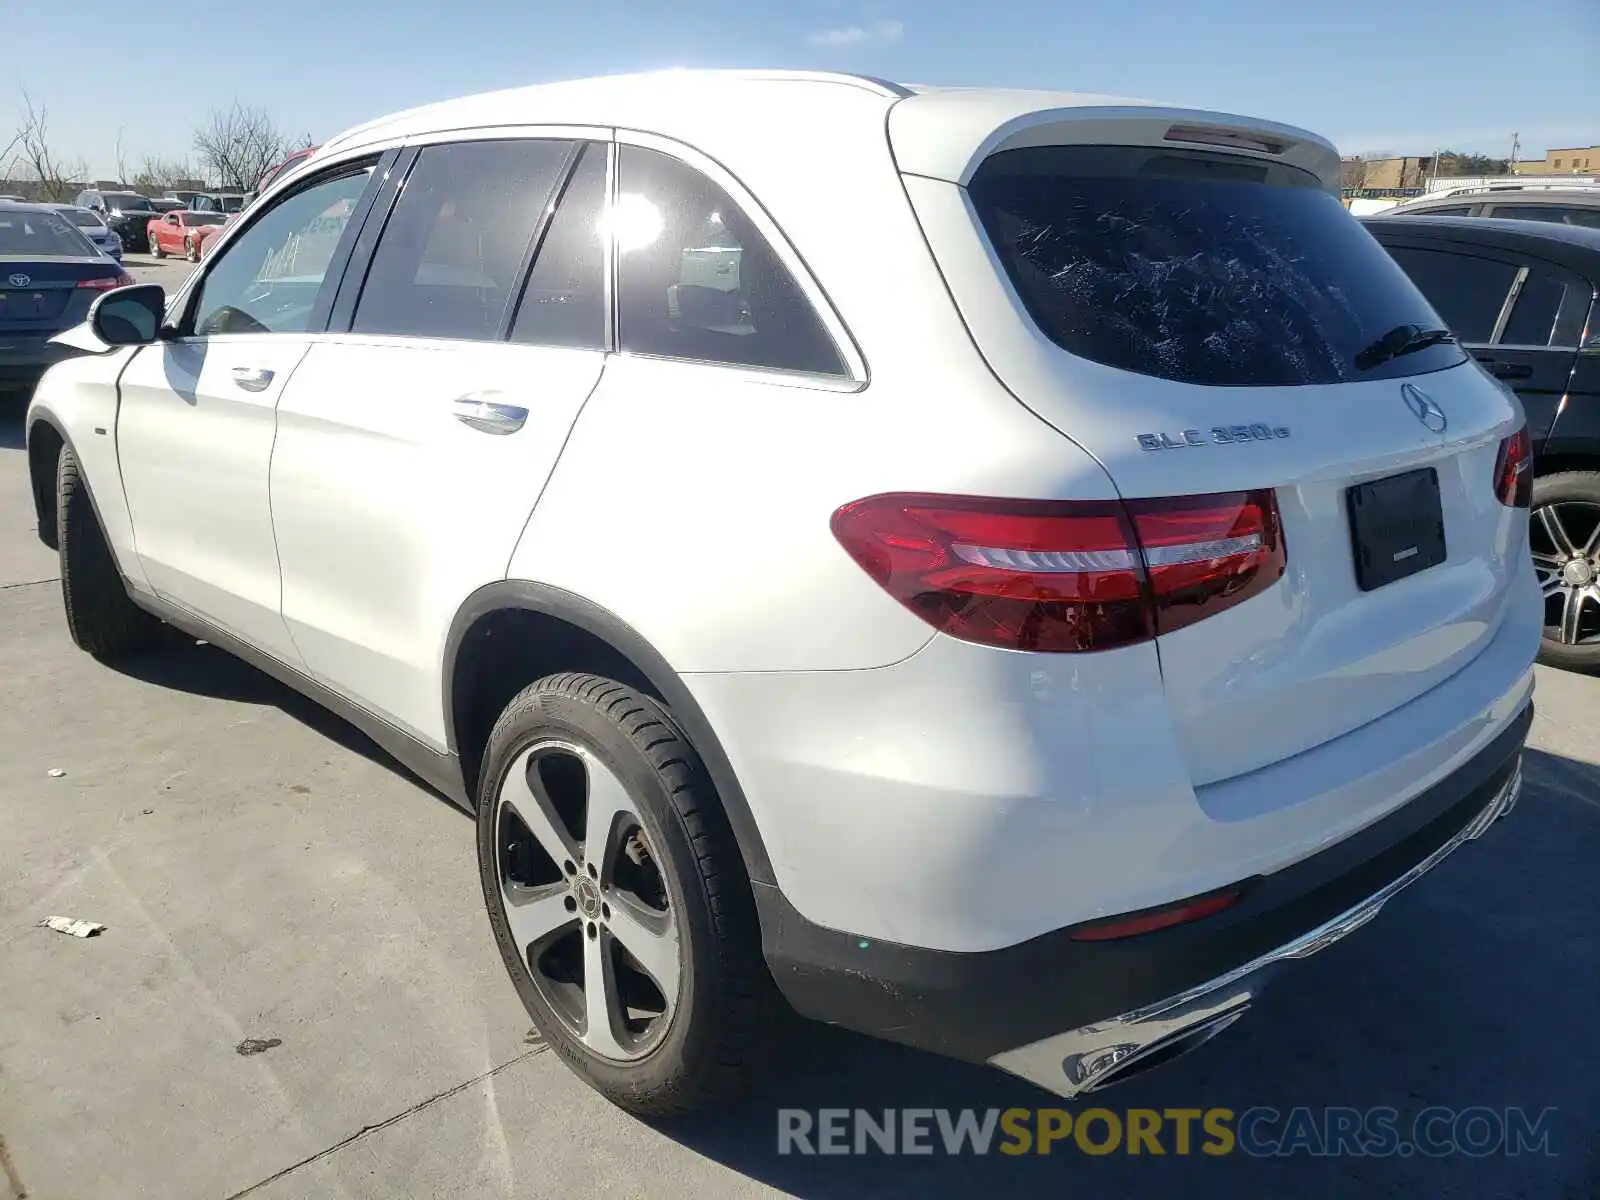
{"x": 1477, "y": 988}
{"x": 204, "y": 670}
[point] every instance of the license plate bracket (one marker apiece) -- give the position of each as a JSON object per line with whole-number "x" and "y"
{"x": 1396, "y": 527}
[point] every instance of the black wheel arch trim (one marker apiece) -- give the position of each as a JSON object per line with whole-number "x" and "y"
{"x": 41, "y": 415}
{"x": 598, "y": 622}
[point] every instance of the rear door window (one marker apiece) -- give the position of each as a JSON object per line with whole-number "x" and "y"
{"x": 1197, "y": 267}
{"x": 564, "y": 301}
{"x": 1556, "y": 213}
{"x": 453, "y": 249}
{"x": 1467, "y": 291}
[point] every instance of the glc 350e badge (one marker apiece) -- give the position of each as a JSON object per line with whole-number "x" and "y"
{"x": 1217, "y": 435}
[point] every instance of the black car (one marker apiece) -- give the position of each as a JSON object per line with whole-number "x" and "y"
{"x": 126, "y": 212}
{"x": 1521, "y": 296}
{"x": 49, "y": 275}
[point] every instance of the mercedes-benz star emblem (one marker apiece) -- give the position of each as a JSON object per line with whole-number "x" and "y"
{"x": 20, "y": 280}
{"x": 1424, "y": 407}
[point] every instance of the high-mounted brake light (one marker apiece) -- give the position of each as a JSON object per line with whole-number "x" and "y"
{"x": 1513, "y": 470}
{"x": 1064, "y": 576}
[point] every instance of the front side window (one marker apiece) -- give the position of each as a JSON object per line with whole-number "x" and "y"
{"x": 448, "y": 261}
{"x": 697, "y": 280}
{"x": 1197, "y": 267}
{"x": 266, "y": 280}
{"x": 1467, "y": 291}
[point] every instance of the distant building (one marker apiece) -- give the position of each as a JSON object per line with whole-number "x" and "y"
{"x": 1569, "y": 160}
{"x": 1386, "y": 173}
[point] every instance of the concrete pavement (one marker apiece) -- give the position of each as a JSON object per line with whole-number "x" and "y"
{"x": 298, "y": 996}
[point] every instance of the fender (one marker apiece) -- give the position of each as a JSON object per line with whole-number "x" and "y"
{"x": 40, "y": 415}
{"x": 607, "y": 627}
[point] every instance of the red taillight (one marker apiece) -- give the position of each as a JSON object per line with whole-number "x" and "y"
{"x": 1158, "y": 918}
{"x": 106, "y": 285}
{"x": 1047, "y": 575}
{"x": 1513, "y": 470}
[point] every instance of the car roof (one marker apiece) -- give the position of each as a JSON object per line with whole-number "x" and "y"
{"x": 1583, "y": 197}
{"x": 939, "y": 132}
{"x": 1574, "y": 243}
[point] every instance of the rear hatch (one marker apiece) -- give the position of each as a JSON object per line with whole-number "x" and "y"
{"x": 1183, "y": 295}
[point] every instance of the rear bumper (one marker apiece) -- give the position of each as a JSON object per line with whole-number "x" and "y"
{"x": 25, "y": 357}
{"x": 1069, "y": 1015}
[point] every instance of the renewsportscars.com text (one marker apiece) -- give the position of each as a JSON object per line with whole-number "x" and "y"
{"x": 1259, "y": 1132}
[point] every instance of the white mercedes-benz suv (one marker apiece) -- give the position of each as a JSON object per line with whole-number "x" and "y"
{"x": 996, "y": 570}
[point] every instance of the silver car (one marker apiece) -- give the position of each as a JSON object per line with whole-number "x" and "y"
{"x": 92, "y": 227}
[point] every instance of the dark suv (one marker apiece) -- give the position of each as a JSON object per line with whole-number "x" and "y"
{"x": 1560, "y": 206}
{"x": 125, "y": 212}
{"x": 1521, "y": 296}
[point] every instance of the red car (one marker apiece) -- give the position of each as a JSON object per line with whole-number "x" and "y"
{"x": 182, "y": 232}
{"x": 288, "y": 164}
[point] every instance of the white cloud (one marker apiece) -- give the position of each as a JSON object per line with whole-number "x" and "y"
{"x": 881, "y": 33}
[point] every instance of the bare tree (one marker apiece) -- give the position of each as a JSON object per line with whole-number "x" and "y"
{"x": 122, "y": 162}
{"x": 156, "y": 174}
{"x": 237, "y": 144}
{"x": 35, "y": 159}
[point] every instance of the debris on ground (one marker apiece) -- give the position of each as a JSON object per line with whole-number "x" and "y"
{"x": 56, "y": 773}
{"x": 73, "y": 926}
{"x": 256, "y": 1046}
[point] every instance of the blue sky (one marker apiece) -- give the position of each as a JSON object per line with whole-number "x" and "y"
{"x": 1398, "y": 75}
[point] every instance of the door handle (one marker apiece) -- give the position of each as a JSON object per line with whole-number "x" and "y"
{"x": 486, "y": 416}
{"x": 252, "y": 379}
{"x": 1501, "y": 369}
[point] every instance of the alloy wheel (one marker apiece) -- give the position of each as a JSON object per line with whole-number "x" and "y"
{"x": 1565, "y": 540}
{"x": 585, "y": 900}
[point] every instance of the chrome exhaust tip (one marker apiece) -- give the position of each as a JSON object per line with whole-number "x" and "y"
{"x": 1162, "y": 1051}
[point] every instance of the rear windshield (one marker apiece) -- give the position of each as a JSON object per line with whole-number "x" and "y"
{"x": 126, "y": 201}
{"x": 41, "y": 235}
{"x": 1198, "y": 267}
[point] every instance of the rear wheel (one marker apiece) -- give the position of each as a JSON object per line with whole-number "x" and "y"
{"x": 618, "y": 898}
{"x": 1564, "y": 536}
{"x": 100, "y": 615}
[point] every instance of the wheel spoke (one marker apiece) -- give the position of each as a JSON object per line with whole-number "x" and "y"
{"x": 607, "y": 798}
{"x": 1572, "y": 614}
{"x": 601, "y": 1001}
{"x": 651, "y": 938}
{"x": 533, "y": 808}
{"x": 1555, "y": 531}
{"x": 1549, "y": 562}
{"x": 535, "y": 913}
{"x": 1550, "y": 585}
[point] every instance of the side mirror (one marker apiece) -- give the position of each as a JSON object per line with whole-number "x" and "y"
{"x": 129, "y": 316}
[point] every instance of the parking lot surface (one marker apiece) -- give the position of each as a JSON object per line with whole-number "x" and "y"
{"x": 297, "y": 994}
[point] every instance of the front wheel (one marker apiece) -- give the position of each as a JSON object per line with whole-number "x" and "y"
{"x": 155, "y": 247}
{"x": 101, "y": 617}
{"x": 618, "y": 898}
{"x": 191, "y": 250}
{"x": 1564, "y": 536}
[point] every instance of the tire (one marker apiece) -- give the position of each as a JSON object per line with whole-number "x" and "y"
{"x": 190, "y": 250}
{"x": 720, "y": 1026}
{"x": 1565, "y": 517}
{"x": 154, "y": 247}
{"x": 101, "y": 617}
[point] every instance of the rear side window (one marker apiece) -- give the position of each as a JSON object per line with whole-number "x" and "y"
{"x": 449, "y": 257}
{"x": 1549, "y": 212}
{"x": 1197, "y": 267}
{"x": 697, "y": 280}
{"x": 1550, "y": 309}
{"x": 1468, "y": 291}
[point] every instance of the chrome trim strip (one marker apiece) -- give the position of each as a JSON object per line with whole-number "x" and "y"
{"x": 1509, "y": 303}
{"x": 1082, "y": 1060}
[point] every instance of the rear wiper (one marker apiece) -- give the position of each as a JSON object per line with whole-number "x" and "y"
{"x": 1402, "y": 339}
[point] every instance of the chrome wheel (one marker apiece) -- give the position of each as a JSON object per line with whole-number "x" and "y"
{"x": 585, "y": 901}
{"x": 1565, "y": 540}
